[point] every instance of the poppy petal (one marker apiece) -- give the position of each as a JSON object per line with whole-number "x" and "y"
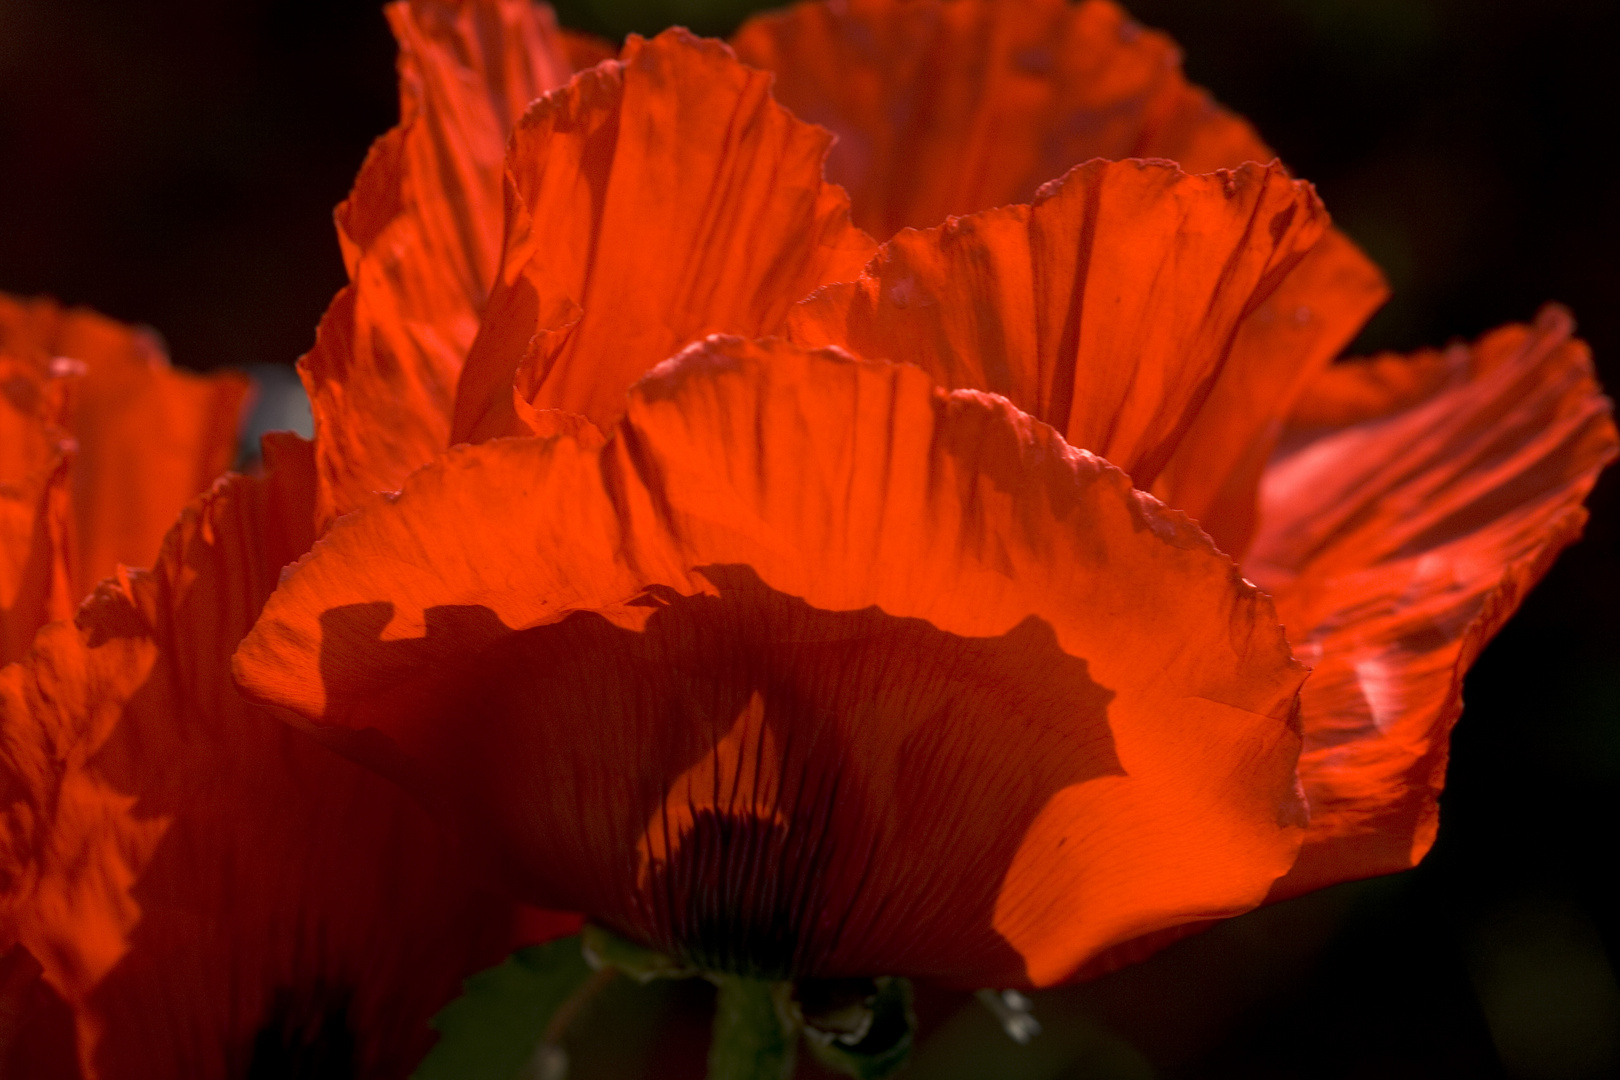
{"x": 956, "y": 107}
{"x": 148, "y": 437}
{"x": 1398, "y": 545}
{"x": 1282, "y": 346}
{"x": 167, "y": 851}
{"x": 36, "y": 508}
{"x": 813, "y": 668}
{"x": 1107, "y": 308}
{"x": 421, "y": 234}
{"x": 36, "y": 1026}
{"x": 656, "y": 199}
{"x": 587, "y": 50}
{"x": 945, "y": 108}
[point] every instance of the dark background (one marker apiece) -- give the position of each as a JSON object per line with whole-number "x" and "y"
{"x": 175, "y": 162}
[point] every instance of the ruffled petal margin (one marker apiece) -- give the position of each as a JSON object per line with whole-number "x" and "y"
{"x": 102, "y": 444}
{"x": 659, "y": 198}
{"x": 421, "y": 234}
{"x": 1107, "y": 309}
{"x": 811, "y": 643}
{"x": 1416, "y": 503}
{"x": 953, "y": 107}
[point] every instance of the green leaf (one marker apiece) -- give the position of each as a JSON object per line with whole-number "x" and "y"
{"x": 886, "y": 1044}
{"x": 492, "y": 1029}
{"x": 754, "y": 1039}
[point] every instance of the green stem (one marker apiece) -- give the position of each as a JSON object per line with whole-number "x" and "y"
{"x": 753, "y": 1039}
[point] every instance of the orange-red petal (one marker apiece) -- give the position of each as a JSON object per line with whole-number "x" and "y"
{"x": 147, "y": 437}
{"x": 658, "y": 198}
{"x": 36, "y": 508}
{"x": 1397, "y": 544}
{"x": 958, "y": 106}
{"x": 953, "y": 106}
{"x": 813, "y": 667}
{"x": 212, "y": 892}
{"x": 587, "y": 50}
{"x": 1282, "y": 346}
{"x": 421, "y": 235}
{"x": 1108, "y": 309}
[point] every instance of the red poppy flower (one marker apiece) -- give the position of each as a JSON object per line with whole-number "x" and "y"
{"x": 782, "y": 660}
{"x": 796, "y": 664}
{"x": 193, "y": 888}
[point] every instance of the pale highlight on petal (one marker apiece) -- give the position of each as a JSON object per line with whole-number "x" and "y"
{"x": 1398, "y": 544}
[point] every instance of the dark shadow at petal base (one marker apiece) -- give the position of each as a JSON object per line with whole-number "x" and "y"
{"x": 307, "y": 1036}
{"x": 743, "y": 780}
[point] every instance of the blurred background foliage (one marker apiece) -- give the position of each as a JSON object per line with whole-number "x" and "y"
{"x": 175, "y": 162}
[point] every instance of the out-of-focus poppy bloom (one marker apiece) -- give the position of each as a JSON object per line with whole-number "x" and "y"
{"x": 104, "y": 444}
{"x": 796, "y": 664}
{"x": 951, "y": 108}
{"x": 189, "y": 887}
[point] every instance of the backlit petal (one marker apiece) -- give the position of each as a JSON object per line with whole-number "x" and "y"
{"x": 36, "y": 508}
{"x": 1107, "y": 309}
{"x": 1397, "y": 541}
{"x": 421, "y": 236}
{"x": 587, "y": 50}
{"x": 960, "y": 106}
{"x": 953, "y": 106}
{"x": 214, "y": 894}
{"x": 148, "y": 437}
{"x": 1282, "y": 346}
{"x": 815, "y": 668}
{"x": 657, "y": 199}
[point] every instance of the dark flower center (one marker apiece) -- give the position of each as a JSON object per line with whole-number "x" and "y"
{"x": 305, "y": 1036}
{"x": 720, "y": 916}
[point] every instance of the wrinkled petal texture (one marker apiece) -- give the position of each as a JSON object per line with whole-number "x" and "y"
{"x": 657, "y": 199}
{"x": 1418, "y": 502}
{"x": 962, "y": 106}
{"x": 421, "y": 235}
{"x": 814, "y": 668}
{"x": 1281, "y": 345}
{"x": 948, "y": 107}
{"x": 1113, "y": 309}
{"x": 213, "y": 893}
{"x": 101, "y": 445}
